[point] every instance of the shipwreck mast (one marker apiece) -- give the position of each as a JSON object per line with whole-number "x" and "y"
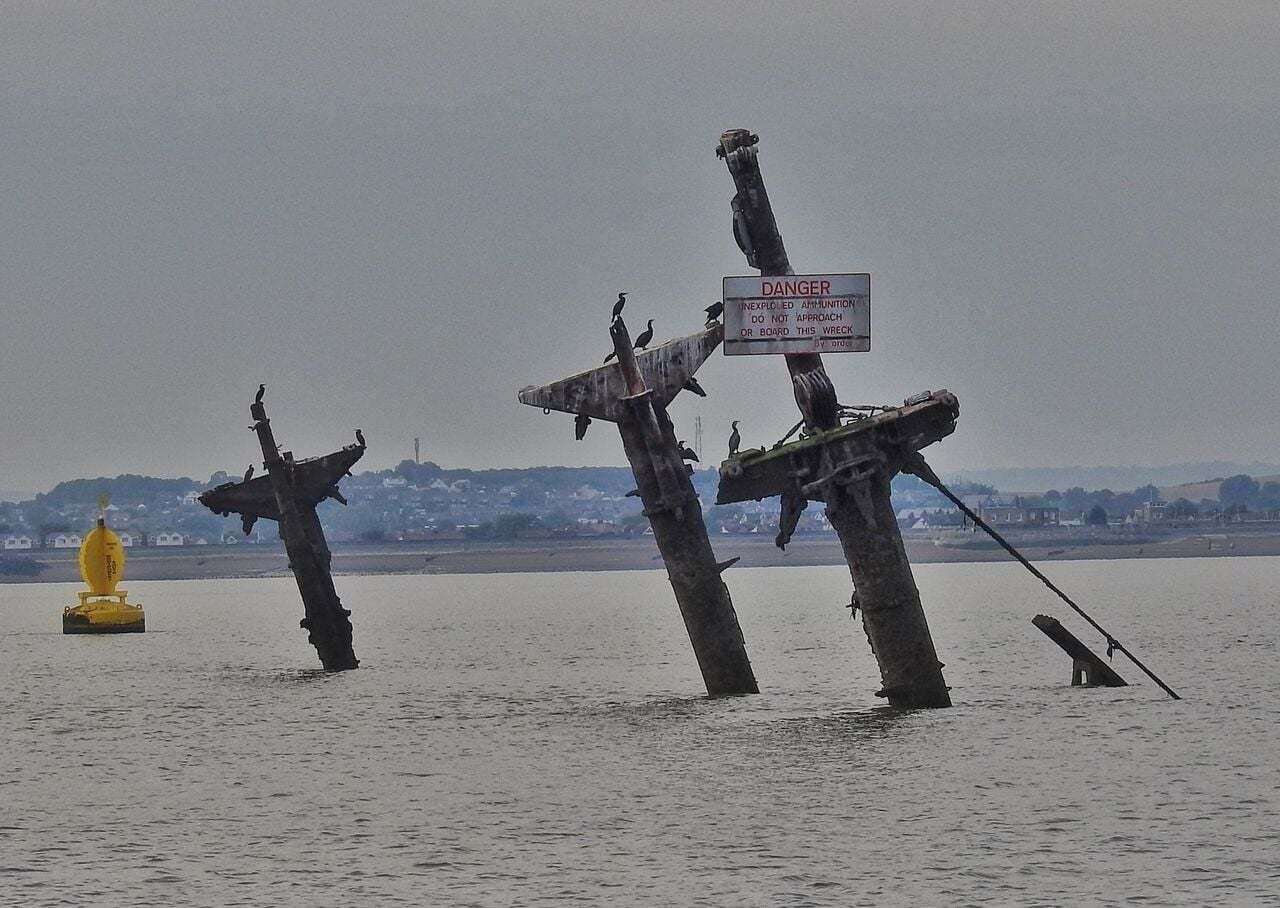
{"x": 852, "y": 477}
{"x": 289, "y": 494}
{"x": 634, "y": 393}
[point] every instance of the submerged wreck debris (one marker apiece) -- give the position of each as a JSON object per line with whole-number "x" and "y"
{"x": 634, "y": 393}
{"x": 1087, "y": 668}
{"x": 289, "y": 494}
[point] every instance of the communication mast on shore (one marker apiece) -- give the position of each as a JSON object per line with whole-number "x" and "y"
{"x": 417, "y": 449}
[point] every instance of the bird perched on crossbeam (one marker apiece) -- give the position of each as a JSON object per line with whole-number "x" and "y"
{"x": 714, "y": 311}
{"x": 257, "y": 398}
{"x": 641, "y": 342}
{"x": 617, "y": 307}
{"x": 687, "y": 453}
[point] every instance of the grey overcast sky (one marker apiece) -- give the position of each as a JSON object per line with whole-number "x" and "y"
{"x": 398, "y": 215}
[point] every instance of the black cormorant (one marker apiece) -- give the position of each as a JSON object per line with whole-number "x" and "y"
{"x": 687, "y": 453}
{"x": 581, "y": 423}
{"x": 714, "y": 311}
{"x": 360, "y": 438}
{"x": 734, "y": 439}
{"x": 248, "y": 474}
{"x": 617, "y": 307}
{"x": 642, "y": 342}
{"x": 257, "y": 398}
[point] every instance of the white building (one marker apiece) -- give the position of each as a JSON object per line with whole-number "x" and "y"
{"x": 63, "y": 540}
{"x": 167, "y": 538}
{"x": 18, "y": 541}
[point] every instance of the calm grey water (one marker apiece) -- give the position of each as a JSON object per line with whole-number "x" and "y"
{"x": 541, "y": 740}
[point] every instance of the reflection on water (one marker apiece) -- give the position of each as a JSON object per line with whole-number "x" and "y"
{"x": 540, "y": 739}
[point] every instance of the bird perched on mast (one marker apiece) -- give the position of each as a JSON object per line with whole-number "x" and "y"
{"x": 687, "y": 453}
{"x": 257, "y": 398}
{"x": 734, "y": 439}
{"x": 642, "y": 342}
{"x": 617, "y": 307}
{"x": 714, "y": 311}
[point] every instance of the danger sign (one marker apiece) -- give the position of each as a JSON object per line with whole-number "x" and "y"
{"x": 797, "y": 313}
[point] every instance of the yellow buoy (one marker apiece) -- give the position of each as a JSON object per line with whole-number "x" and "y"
{"x": 103, "y": 608}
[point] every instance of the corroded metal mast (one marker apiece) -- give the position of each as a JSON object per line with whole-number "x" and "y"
{"x": 289, "y": 494}
{"x": 634, "y": 393}
{"x": 853, "y": 479}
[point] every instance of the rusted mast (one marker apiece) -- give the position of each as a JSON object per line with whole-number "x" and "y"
{"x": 327, "y": 623}
{"x": 634, "y": 393}
{"x": 857, "y": 498}
{"x": 289, "y": 494}
{"x": 672, "y": 507}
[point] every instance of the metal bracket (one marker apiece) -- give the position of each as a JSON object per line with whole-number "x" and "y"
{"x": 854, "y": 470}
{"x": 853, "y": 475}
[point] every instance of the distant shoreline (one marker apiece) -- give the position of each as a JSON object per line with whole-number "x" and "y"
{"x": 218, "y": 562}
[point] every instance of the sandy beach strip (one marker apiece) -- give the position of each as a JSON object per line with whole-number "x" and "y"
{"x": 209, "y": 562}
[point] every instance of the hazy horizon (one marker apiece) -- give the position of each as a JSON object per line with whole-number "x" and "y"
{"x": 398, "y": 215}
{"x": 1117, "y": 477}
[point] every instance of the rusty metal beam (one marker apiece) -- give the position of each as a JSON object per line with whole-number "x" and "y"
{"x": 1087, "y": 667}
{"x": 600, "y": 392}
{"x": 811, "y": 465}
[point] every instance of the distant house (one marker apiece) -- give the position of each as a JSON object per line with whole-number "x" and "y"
{"x": 129, "y": 538}
{"x": 1011, "y": 512}
{"x": 18, "y": 541}
{"x": 1151, "y": 512}
{"x": 167, "y": 537}
{"x": 995, "y": 510}
{"x": 63, "y": 540}
{"x": 919, "y": 518}
{"x": 1040, "y": 516}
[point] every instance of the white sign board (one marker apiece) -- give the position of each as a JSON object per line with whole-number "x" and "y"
{"x": 797, "y": 313}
